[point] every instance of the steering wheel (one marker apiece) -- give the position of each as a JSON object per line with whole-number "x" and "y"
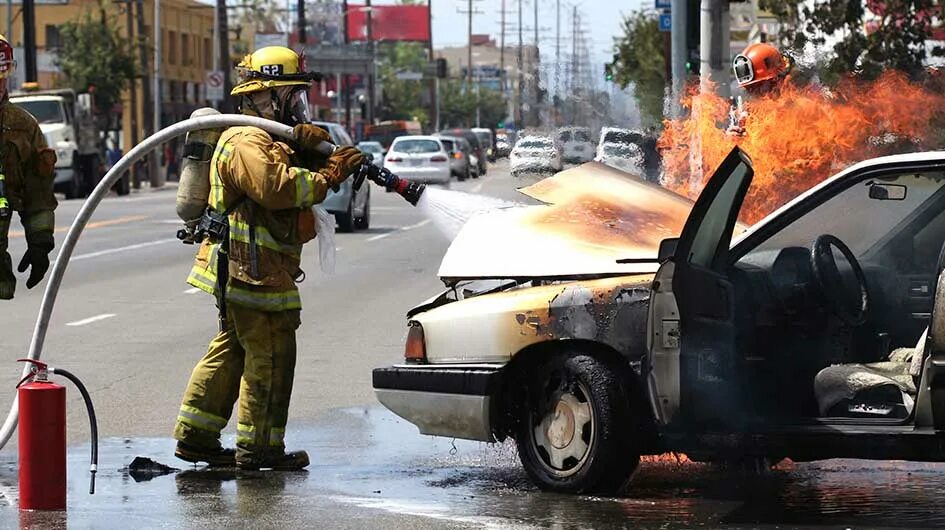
{"x": 850, "y": 307}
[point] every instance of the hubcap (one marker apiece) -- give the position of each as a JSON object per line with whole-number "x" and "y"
{"x": 563, "y": 434}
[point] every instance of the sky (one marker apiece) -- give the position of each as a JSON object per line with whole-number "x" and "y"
{"x": 601, "y": 20}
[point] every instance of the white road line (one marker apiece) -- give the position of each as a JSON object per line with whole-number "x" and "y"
{"x": 89, "y": 320}
{"x": 401, "y": 229}
{"x": 123, "y": 249}
{"x": 477, "y": 188}
{"x": 192, "y": 290}
{"x": 378, "y": 236}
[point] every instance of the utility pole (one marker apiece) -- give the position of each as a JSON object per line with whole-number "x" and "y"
{"x": 223, "y": 49}
{"x": 148, "y": 117}
{"x": 521, "y": 73}
{"x": 714, "y": 44}
{"x": 469, "y": 47}
{"x": 572, "y": 84}
{"x": 132, "y": 112}
{"x": 435, "y": 83}
{"x": 371, "y": 75}
{"x": 29, "y": 39}
{"x": 156, "y": 179}
{"x": 502, "y": 49}
{"x": 302, "y": 36}
{"x": 558, "y": 47}
{"x": 678, "y": 53}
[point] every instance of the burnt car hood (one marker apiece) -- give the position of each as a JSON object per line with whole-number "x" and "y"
{"x": 592, "y": 216}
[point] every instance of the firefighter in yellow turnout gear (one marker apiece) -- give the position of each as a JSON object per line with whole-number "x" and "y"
{"x": 266, "y": 195}
{"x": 27, "y": 170}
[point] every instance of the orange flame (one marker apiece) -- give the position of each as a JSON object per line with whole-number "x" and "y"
{"x": 799, "y": 136}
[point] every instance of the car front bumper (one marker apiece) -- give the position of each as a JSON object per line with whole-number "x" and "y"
{"x": 446, "y": 400}
{"x": 63, "y": 175}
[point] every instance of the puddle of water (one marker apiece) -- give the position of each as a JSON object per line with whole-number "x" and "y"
{"x": 372, "y": 470}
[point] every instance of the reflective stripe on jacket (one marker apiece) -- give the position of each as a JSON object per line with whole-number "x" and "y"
{"x": 270, "y": 225}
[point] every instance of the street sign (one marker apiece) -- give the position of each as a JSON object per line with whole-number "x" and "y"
{"x": 666, "y": 22}
{"x": 663, "y": 4}
{"x": 409, "y": 76}
{"x": 214, "y": 84}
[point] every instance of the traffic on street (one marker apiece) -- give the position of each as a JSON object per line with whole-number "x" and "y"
{"x": 520, "y": 264}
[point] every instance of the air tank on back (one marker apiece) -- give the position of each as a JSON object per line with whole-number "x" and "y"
{"x": 194, "y": 190}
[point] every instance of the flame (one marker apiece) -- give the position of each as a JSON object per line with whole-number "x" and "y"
{"x": 799, "y": 136}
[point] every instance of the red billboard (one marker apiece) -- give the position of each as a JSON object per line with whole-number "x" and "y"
{"x": 390, "y": 23}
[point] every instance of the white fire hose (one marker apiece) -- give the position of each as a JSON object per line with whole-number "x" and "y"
{"x": 219, "y": 121}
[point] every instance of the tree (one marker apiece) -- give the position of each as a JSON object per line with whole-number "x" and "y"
{"x": 638, "y": 61}
{"x": 402, "y": 98}
{"x": 458, "y": 105}
{"x": 895, "y": 38}
{"x": 95, "y": 54}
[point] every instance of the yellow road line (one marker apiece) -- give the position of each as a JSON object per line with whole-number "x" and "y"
{"x": 93, "y": 225}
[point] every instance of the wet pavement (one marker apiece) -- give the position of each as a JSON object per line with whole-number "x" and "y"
{"x": 371, "y": 470}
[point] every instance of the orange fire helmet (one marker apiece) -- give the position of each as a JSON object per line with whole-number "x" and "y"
{"x": 758, "y": 63}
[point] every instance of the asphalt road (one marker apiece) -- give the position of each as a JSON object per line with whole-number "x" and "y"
{"x": 130, "y": 327}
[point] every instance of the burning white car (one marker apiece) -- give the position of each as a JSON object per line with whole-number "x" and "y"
{"x": 590, "y": 333}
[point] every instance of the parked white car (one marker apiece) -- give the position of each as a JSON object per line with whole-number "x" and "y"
{"x": 621, "y": 149}
{"x": 419, "y": 158}
{"x": 535, "y": 154}
{"x": 577, "y": 146}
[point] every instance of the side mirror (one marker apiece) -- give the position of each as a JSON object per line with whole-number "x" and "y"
{"x": 667, "y": 249}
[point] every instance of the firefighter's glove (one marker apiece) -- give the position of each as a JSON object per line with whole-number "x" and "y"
{"x": 342, "y": 163}
{"x": 309, "y": 136}
{"x": 37, "y": 260}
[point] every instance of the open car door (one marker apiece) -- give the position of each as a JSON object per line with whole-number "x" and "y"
{"x": 705, "y": 297}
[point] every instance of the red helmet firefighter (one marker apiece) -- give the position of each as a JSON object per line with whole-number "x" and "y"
{"x": 761, "y": 68}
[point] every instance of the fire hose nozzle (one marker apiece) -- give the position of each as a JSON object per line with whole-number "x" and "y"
{"x": 409, "y": 190}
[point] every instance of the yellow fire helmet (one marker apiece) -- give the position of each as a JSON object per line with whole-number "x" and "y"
{"x": 271, "y": 67}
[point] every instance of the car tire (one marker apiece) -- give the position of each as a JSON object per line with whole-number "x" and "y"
{"x": 599, "y": 455}
{"x": 364, "y": 222}
{"x": 346, "y": 219}
{"x": 73, "y": 188}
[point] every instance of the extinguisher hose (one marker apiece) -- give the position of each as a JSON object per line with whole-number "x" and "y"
{"x": 93, "y": 423}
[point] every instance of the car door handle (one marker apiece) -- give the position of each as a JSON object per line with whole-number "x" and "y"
{"x": 920, "y": 288}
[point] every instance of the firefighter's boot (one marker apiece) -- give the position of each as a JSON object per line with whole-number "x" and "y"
{"x": 217, "y": 457}
{"x": 293, "y": 461}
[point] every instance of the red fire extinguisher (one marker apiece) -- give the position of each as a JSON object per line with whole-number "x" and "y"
{"x": 42, "y": 437}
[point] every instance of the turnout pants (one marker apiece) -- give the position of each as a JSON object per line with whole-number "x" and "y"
{"x": 253, "y": 361}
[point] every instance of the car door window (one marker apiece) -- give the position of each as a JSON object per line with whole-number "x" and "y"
{"x": 715, "y": 229}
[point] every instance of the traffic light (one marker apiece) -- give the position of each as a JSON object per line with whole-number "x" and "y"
{"x": 441, "y": 68}
{"x": 608, "y": 72}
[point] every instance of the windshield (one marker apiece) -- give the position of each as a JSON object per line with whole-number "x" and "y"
{"x": 534, "y": 144}
{"x": 45, "y": 111}
{"x": 416, "y": 146}
{"x": 564, "y": 136}
{"x": 582, "y": 136}
{"x": 623, "y": 151}
{"x": 447, "y": 144}
{"x": 861, "y": 220}
{"x": 485, "y": 138}
{"x": 370, "y": 148}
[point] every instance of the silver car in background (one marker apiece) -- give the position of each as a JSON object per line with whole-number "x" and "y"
{"x": 352, "y": 210}
{"x": 419, "y": 158}
{"x": 535, "y": 154}
{"x": 375, "y": 149}
{"x": 460, "y": 153}
{"x": 577, "y": 146}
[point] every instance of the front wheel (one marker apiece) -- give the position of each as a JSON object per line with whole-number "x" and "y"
{"x": 346, "y": 219}
{"x": 576, "y": 433}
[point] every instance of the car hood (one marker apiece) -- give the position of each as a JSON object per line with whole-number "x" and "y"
{"x": 592, "y": 216}
{"x": 52, "y": 129}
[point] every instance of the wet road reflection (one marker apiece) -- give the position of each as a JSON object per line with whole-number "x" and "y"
{"x": 371, "y": 470}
